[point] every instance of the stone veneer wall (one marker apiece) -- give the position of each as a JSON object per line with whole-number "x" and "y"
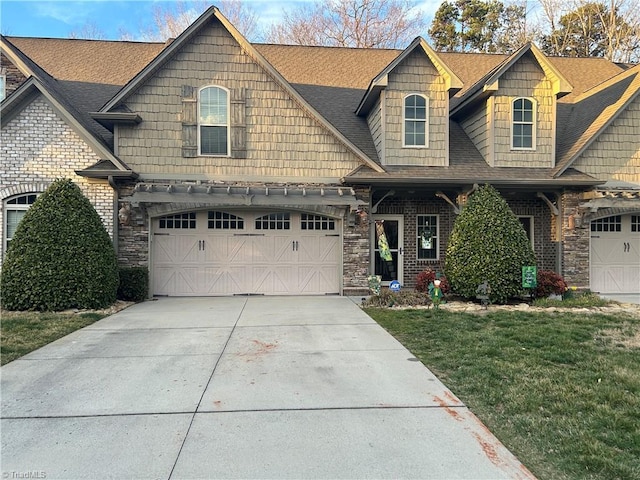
{"x": 133, "y": 243}
{"x": 133, "y": 239}
{"x": 37, "y": 147}
{"x": 356, "y": 252}
{"x": 575, "y": 254}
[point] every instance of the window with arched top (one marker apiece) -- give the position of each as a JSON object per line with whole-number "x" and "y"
{"x": 14, "y": 210}
{"x": 523, "y": 131}
{"x": 416, "y": 121}
{"x": 213, "y": 121}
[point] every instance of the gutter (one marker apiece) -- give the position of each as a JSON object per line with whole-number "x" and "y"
{"x": 479, "y": 181}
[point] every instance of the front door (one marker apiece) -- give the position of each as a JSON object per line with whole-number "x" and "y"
{"x": 388, "y": 243}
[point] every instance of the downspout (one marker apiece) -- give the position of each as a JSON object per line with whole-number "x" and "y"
{"x": 116, "y": 224}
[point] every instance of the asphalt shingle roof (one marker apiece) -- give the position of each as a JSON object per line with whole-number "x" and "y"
{"x": 87, "y": 73}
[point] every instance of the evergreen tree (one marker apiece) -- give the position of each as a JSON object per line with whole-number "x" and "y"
{"x": 486, "y": 26}
{"x": 61, "y": 256}
{"x": 489, "y": 244}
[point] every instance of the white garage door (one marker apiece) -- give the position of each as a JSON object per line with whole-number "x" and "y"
{"x": 226, "y": 253}
{"x": 615, "y": 254}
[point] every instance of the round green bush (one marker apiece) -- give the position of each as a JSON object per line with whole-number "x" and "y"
{"x": 134, "y": 284}
{"x": 487, "y": 243}
{"x": 61, "y": 256}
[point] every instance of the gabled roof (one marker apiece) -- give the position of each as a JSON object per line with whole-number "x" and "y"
{"x": 33, "y": 87}
{"x": 452, "y": 83}
{"x": 328, "y": 82}
{"x": 592, "y": 112}
{"x": 193, "y": 29}
{"x": 489, "y": 83}
{"x": 104, "y": 62}
{"x": 60, "y": 95}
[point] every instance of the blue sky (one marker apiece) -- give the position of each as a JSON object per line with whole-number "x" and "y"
{"x": 58, "y": 18}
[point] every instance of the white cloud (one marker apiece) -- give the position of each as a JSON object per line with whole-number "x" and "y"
{"x": 70, "y": 13}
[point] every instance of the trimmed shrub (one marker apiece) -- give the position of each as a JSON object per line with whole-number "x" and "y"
{"x": 549, "y": 282}
{"x": 61, "y": 256}
{"x": 134, "y": 284}
{"x": 487, "y": 243}
{"x": 426, "y": 277}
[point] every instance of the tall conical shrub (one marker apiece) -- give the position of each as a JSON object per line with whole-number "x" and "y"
{"x": 61, "y": 256}
{"x": 488, "y": 243}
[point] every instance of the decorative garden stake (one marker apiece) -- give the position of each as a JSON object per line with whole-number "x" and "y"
{"x": 435, "y": 293}
{"x": 482, "y": 293}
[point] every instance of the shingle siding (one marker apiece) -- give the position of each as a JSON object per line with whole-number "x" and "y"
{"x": 38, "y": 147}
{"x": 476, "y": 126}
{"x": 416, "y": 75}
{"x": 375, "y": 120}
{"x": 615, "y": 154}
{"x": 281, "y": 138}
{"x": 524, "y": 79}
{"x": 13, "y": 76}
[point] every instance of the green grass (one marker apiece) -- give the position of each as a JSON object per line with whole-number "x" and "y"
{"x": 24, "y": 332}
{"x": 584, "y": 300}
{"x": 560, "y": 390}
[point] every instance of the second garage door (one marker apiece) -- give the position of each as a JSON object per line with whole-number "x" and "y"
{"x": 615, "y": 254}
{"x": 225, "y": 253}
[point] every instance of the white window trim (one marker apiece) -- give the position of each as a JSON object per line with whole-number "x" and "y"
{"x": 534, "y": 125}
{"x": 437, "y": 236}
{"x": 531, "y": 226}
{"x": 426, "y": 121}
{"x": 228, "y": 124}
{"x": 5, "y": 218}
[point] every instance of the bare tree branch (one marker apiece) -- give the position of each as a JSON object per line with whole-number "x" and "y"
{"x": 349, "y": 23}
{"x": 89, "y": 31}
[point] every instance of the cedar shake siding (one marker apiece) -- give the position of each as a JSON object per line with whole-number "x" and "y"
{"x": 476, "y": 126}
{"x": 615, "y": 154}
{"x": 527, "y": 80}
{"x": 375, "y": 119}
{"x": 13, "y": 76}
{"x": 416, "y": 74}
{"x": 282, "y": 140}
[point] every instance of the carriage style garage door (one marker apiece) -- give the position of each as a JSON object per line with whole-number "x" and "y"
{"x": 615, "y": 254}
{"x": 245, "y": 252}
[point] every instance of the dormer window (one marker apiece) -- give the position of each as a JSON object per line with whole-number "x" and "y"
{"x": 523, "y": 124}
{"x": 416, "y": 133}
{"x": 213, "y": 121}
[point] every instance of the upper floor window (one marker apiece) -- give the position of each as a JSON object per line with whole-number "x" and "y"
{"x": 14, "y": 210}
{"x": 3, "y": 86}
{"x": 523, "y": 125}
{"x": 416, "y": 133}
{"x": 213, "y": 121}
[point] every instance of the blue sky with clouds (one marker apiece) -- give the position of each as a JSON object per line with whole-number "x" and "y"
{"x": 58, "y": 18}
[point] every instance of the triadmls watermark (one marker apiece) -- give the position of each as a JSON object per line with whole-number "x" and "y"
{"x": 34, "y": 474}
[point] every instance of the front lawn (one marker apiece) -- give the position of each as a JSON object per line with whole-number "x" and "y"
{"x": 560, "y": 390}
{"x": 24, "y": 332}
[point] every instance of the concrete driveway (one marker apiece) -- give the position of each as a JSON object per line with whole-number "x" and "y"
{"x": 241, "y": 387}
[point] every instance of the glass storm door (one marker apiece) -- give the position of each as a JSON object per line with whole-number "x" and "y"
{"x": 387, "y": 253}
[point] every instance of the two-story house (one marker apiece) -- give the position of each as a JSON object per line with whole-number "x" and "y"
{"x": 235, "y": 168}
